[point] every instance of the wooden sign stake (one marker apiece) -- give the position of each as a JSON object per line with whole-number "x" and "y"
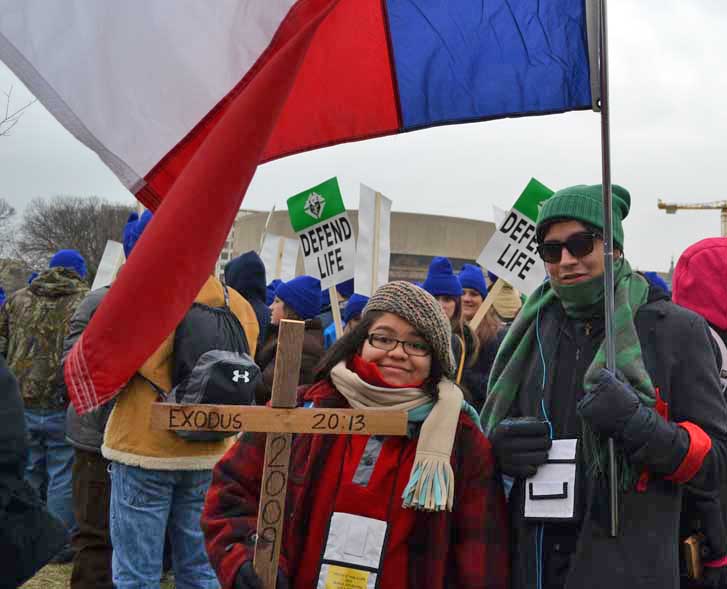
{"x": 336, "y": 310}
{"x": 486, "y": 304}
{"x": 375, "y": 256}
{"x": 279, "y": 258}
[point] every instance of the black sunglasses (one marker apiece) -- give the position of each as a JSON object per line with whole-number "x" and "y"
{"x": 578, "y": 245}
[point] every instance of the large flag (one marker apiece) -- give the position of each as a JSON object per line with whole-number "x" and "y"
{"x": 183, "y": 99}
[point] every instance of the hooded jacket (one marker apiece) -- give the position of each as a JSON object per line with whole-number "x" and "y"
{"x": 129, "y": 439}
{"x": 33, "y": 323}
{"x": 246, "y": 274}
{"x": 679, "y": 356}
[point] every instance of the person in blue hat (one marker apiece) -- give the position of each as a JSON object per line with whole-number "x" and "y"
{"x": 298, "y": 299}
{"x": 270, "y": 291}
{"x": 489, "y": 333}
{"x": 33, "y": 323}
{"x": 90, "y": 479}
{"x": 474, "y": 289}
{"x": 351, "y": 316}
{"x": 444, "y": 286}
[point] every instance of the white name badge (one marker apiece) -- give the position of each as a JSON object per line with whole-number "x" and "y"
{"x": 551, "y": 493}
{"x": 354, "y": 549}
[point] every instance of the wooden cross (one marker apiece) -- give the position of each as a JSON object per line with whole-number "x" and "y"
{"x": 279, "y": 421}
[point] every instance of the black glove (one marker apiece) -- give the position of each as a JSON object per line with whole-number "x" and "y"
{"x": 521, "y": 445}
{"x": 247, "y": 578}
{"x": 610, "y": 406}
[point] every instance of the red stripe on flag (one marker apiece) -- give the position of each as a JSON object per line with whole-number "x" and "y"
{"x": 345, "y": 89}
{"x": 162, "y": 176}
{"x": 178, "y": 250}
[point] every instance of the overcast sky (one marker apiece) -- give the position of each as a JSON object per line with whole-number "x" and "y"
{"x": 669, "y": 139}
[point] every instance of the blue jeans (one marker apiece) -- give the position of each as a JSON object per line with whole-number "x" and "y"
{"x": 50, "y": 459}
{"x": 144, "y": 503}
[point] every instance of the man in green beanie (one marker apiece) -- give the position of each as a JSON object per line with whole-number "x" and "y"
{"x": 663, "y": 408}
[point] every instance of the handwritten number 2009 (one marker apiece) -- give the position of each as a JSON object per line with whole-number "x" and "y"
{"x": 352, "y": 423}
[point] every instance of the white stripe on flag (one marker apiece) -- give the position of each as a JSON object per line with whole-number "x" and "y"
{"x": 130, "y": 79}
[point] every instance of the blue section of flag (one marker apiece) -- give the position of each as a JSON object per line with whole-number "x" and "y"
{"x": 459, "y": 60}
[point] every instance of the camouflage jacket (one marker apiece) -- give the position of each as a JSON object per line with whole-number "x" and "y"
{"x": 33, "y": 323}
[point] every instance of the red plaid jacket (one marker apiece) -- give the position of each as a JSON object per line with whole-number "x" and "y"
{"x": 467, "y": 548}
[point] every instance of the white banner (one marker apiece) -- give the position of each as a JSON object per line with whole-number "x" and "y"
{"x": 373, "y": 247}
{"x": 112, "y": 259}
{"x": 280, "y": 256}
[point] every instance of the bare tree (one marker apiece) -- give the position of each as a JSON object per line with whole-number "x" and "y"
{"x": 69, "y": 222}
{"x": 9, "y": 118}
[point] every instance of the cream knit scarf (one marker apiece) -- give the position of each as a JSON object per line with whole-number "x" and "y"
{"x": 431, "y": 482}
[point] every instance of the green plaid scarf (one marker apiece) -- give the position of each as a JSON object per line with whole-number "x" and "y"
{"x": 579, "y": 301}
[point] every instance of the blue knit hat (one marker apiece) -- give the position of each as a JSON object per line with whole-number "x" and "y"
{"x": 133, "y": 230}
{"x": 345, "y": 289}
{"x": 69, "y": 259}
{"x": 33, "y": 276}
{"x": 354, "y": 306}
{"x": 270, "y": 291}
{"x": 471, "y": 277}
{"x": 441, "y": 279}
{"x": 302, "y": 294}
{"x": 656, "y": 280}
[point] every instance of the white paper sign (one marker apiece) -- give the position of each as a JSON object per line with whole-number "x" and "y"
{"x": 550, "y": 493}
{"x": 373, "y": 247}
{"x": 318, "y": 216}
{"x": 280, "y": 256}
{"x": 511, "y": 253}
{"x": 112, "y": 259}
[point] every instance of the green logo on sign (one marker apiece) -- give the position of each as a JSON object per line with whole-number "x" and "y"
{"x": 315, "y": 205}
{"x": 532, "y": 198}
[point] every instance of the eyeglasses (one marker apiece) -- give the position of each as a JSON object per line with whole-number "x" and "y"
{"x": 386, "y": 343}
{"x": 578, "y": 245}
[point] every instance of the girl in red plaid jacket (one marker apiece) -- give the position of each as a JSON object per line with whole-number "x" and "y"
{"x": 425, "y": 510}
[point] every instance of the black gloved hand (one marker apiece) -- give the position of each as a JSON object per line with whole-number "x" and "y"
{"x": 247, "y": 578}
{"x": 610, "y": 406}
{"x": 521, "y": 445}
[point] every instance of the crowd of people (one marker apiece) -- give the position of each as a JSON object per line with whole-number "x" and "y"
{"x": 464, "y": 499}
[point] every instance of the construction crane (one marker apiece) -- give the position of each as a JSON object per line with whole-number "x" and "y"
{"x": 672, "y": 207}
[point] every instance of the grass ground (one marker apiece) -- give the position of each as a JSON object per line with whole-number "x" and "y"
{"x": 58, "y": 576}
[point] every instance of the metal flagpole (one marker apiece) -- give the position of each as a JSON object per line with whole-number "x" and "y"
{"x": 608, "y": 252}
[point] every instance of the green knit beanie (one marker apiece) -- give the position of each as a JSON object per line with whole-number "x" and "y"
{"x": 585, "y": 203}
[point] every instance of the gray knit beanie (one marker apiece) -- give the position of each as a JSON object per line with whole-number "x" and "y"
{"x": 418, "y": 307}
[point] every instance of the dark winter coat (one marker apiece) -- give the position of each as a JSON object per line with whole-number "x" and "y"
{"x": 465, "y": 548}
{"x": 312, "y": 352}
{"x": 29, "y": 535}
{"x": 679, "y": 356}
{"x": 475, "y": 377}
{"x": 85, "y": 432}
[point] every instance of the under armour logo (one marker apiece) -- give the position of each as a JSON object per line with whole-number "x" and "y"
{"x": 236, "y": 376}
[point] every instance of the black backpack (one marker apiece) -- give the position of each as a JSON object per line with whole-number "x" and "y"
{"x": 212, "y": 364}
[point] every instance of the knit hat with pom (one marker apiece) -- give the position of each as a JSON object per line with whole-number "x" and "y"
{"x": 422, "y": 311}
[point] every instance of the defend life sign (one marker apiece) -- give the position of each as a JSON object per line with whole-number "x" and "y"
{"x": 511, "y": 254}
{"x": 326, "y": 235}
